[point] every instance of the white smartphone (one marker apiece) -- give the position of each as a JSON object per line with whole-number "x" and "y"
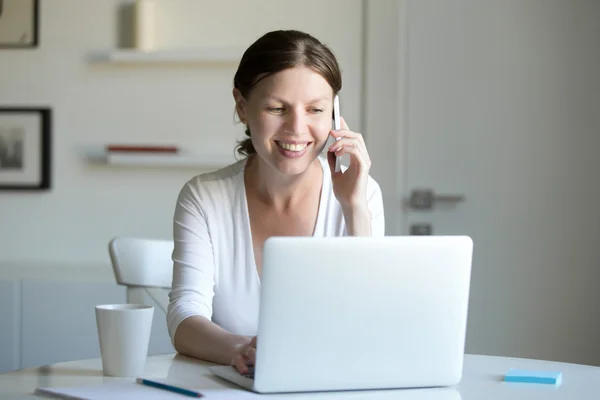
{"x": 337, "y": 125}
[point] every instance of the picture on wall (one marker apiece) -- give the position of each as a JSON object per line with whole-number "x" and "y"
{"x": 19, "y": 23}
{"x": 25, "y": 148}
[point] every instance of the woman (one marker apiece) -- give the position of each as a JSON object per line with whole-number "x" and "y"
{"x": 283, "y": 91}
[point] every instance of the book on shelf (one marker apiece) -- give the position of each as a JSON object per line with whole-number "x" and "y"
{"x": 147, "y": 157}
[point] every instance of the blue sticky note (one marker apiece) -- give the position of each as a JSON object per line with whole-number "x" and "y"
{"x": 528, "y": 376}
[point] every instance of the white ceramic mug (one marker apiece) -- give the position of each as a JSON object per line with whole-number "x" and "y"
{"x": 124, "y": 334}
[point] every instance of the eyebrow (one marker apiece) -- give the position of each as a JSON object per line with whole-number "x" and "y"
{"x": 310, "y": 102}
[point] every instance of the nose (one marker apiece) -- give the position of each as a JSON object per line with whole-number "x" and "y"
{"x": 296, "y": 122}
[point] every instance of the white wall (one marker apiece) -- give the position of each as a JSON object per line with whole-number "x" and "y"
{"x": 189, "y": 106}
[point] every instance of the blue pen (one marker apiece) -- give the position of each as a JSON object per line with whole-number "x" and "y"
{"x": 170, "y": 388}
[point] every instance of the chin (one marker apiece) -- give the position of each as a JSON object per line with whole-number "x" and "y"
{"x": 293, "y": 166}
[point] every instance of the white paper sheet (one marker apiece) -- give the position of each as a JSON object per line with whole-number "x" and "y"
{"x": 116, "y": 391}
{"x": 135, "y": 391}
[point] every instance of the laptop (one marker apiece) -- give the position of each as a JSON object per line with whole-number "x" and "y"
{"x": 360, "y": 313}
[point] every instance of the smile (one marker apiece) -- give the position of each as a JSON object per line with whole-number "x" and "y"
{"x": 295, "y": 147}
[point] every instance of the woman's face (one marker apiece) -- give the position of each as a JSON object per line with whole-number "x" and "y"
{"x": 289, "y": 114}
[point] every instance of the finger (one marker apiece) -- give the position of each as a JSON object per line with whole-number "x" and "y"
{"x": 352, "y": 147}
{"x": 251, "y": 355}
{"x": 342, "y": 142}
{"x": 356, "y": 142}
{"x": 252, "y": 351}
{"x": 240, "y": 364}
{"x": 346, "y": 133}
{"x": 356, "y": 155}
{"x": 347, "y": 148}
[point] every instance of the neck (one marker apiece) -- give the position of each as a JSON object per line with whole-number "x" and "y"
{"x": 276, "y": 189}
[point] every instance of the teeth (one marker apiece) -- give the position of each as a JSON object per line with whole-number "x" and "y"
{"x": 292, "y": 147}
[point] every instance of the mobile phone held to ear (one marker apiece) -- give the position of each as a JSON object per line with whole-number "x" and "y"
{"x": 337, "y": 125}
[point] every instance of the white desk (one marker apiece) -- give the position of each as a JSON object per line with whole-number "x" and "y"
{"x": 482, "y": 379}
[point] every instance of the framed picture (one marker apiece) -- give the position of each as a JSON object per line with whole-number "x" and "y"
{"x": 25, "y": 148}
{"x": 19, "y": 23}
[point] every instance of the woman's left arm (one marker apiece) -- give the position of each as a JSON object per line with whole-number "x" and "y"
{"x": 358, "y": 194}
{"x": 358, "y": 221}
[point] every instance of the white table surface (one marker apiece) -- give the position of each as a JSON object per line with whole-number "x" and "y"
{"x": 482, "y": 379}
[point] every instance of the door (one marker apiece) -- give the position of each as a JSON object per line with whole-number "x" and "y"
{"x": 497, "y": 108}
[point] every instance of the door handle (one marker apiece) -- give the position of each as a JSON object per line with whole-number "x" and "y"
{"x": 425, "y": 199}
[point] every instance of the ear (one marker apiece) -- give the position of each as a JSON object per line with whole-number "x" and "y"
{"x": 240, "y": 105}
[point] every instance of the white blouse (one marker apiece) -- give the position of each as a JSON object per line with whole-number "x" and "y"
{"x": 214, "y": 271}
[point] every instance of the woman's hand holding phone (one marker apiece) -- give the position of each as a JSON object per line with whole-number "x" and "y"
{"x": 351, "y": 185}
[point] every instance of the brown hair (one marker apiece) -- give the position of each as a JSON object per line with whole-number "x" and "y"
{"x": 279, "y": 50}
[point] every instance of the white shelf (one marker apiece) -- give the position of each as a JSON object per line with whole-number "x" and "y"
{"x": 168, "y": 160}
{"x": 203, "y": 55}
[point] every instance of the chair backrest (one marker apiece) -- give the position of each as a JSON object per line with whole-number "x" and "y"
{"x": 142, "y": 262}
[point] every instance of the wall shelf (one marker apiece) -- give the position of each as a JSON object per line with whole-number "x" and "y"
{"x": 203, "y": 55}
{"x": 186, "y": 160}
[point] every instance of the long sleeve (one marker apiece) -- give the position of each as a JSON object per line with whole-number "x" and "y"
{"x": 193, "y": 262}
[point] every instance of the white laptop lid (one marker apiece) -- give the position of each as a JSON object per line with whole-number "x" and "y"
{"x": 345, "y": 313}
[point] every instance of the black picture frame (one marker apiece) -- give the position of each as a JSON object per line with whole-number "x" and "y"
{"x": 23, "y": 30}
{"x": 25, "y": 148}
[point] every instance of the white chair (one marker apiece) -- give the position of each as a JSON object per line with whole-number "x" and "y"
{"x": 145, "y": 267}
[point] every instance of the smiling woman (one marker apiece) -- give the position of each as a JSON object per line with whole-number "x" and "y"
{"x": 274, "y": 53}
{"x": 283, "y": 90}
{"x": 288, "y": 116}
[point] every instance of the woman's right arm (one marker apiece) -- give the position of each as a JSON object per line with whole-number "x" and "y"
{"x": 190, "y": 308}
{"x": 201, "y": 338}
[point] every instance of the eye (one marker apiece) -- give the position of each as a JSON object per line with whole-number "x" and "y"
{"x": 276, "y": 110}
{"x": 316, "y": 110}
